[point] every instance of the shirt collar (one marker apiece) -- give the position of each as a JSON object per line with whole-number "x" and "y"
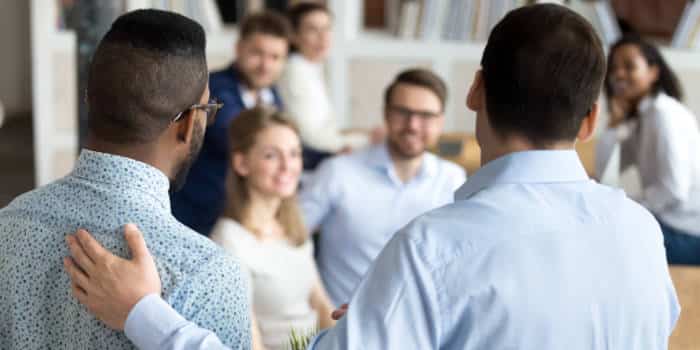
{"x": 647, "y": 102}
{"x": 123, "y": 172}
{"x": 248, "y": 97}
{"x": 379, "y": 157}
{"x": 526, "y": 167}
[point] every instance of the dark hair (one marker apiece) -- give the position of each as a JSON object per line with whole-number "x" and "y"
{"x": 419, "y": 77}
{"x": 296, "y": 13}
{"x": 149, "y": 66}
{"x": 667, "y": 82}
{"x": 267, "y": 22}
{"x": 543, "y": 68}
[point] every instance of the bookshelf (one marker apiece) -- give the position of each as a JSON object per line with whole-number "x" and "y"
{"x": 455, "y": 61}
{"x": 361, "y": 65}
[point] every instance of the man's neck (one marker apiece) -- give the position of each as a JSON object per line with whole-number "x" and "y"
{"x": 514, "y": 144}
{"x": 142, "y": 153}
{"x": 406, "y": 168}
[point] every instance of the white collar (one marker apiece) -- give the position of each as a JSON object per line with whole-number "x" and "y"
{"x": 249, "y": 100}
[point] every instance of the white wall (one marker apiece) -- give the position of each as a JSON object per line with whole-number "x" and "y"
{"x": 15, "y": 57}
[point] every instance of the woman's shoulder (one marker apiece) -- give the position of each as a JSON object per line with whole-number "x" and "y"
{"x": 662, "y": 103}
{"x": 297, "y": 63}
{"x": 666, "y": 109}
{"x": 230, "y": 234}
{"x": 307, "y": 248}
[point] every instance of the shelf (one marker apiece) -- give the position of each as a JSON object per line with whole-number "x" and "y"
{"x": 378, "y": 44}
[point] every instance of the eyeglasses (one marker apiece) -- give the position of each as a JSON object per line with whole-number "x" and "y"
{"x": 406, "y": 113}
{"x": 210, "y": 109}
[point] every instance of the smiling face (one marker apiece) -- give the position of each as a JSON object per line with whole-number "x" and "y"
{"x": 261, "y": 58}
{"x": 631, "y": 76}
{"x": 414, "y": 120}
{"x": 313, "y": 38}
{"x": 273, "y": 165}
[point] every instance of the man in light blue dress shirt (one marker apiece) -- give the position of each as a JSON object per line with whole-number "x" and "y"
{"x": 149, "y": 108}
{"x": 532, "y": 254}
{"x": 360, "y": 200}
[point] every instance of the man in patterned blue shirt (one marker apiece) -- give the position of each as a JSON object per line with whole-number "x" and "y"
{"x": 148, "y": 99}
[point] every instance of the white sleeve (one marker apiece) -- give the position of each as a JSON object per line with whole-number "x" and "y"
{"x": 316, "y": 124}
{"x": 153, "y": 324}
{"x": 614, "y": 152}
{"x": 671, "y": 180}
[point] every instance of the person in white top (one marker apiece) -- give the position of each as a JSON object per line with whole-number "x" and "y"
{"x": 263, "y": 227}
{"x": 656, "y": 133}
{"x": 304, "y": 92}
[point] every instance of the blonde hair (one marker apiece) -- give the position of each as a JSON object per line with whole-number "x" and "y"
{"x": 243, "y": 133}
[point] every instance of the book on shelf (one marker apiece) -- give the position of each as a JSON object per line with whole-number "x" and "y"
{"x": 482, "y": 29}
{"x": 466, "y": 26}
{"x": 427, "y": 16}
{"x": 392, "y": 9}
{"x": 686, "y": 33}
{"x": 609, "y": 28}
{"x": 450, "y": 26}
{"x": 473, "y": 20}
{"x": 451, "y": 20}
{"x": 408, "y": 19}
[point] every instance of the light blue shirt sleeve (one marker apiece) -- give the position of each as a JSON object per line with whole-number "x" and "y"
{"x": 395, "y": 307}
{"x": 317, "y": 195}
{"x": 152, "y": 324}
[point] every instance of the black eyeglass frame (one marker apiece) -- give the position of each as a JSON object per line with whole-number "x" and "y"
{"x": 210, "y": 109}
{"x": 406, "y": 112}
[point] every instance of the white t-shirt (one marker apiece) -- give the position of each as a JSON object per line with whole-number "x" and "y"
{"x": 281, "y": 279}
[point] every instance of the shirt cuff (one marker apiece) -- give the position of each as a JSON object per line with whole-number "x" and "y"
{"x": 316, "y": 339}
{"x": 151, "y": 321}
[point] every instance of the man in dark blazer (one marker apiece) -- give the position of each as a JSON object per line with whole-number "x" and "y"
{"x": 261, "y": 52}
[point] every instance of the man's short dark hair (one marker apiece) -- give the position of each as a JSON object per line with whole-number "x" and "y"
{"x": 543, "y": 68}
{"x": 418, "y": 77}
{"x": 267, "y": 22}
{"x": 149, "y": 66}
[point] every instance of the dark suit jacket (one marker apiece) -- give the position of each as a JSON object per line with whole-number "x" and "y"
{"x": 202, "y": 200}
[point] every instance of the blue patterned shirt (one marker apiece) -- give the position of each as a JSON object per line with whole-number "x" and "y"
{"x": 103, "y": 193}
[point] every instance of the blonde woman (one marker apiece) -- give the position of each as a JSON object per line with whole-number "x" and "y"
{"x": 263, "y": 227}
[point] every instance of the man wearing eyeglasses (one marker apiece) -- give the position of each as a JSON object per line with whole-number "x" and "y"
{"x": 148, "y": 100}
{"x": 360, "y": 200}
{"x": 261, "y": 52}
